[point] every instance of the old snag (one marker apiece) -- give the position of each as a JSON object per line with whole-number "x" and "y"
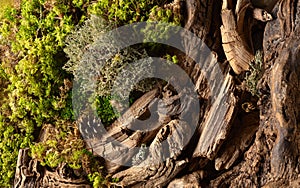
{"x": 240, "y": 140}
{"x": 272, "y": 160}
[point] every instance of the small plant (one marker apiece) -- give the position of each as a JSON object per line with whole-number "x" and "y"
{"x": 61, "y": 143}
{"x": 169, "y": 13}
{"x": 105, "y": 110}
{"x": 95, "y": 58}
{"x": 97, "y": 180}
{"x": 254, "y": 74}
{"x": 124, "y": 11}
{"x": 4, "y": 4}
{"x": 165, "y": 17}
{"x": 173, "y": 58}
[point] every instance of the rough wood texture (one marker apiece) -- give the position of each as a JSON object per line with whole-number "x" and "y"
{"x": 120, "y": 134}
{"x": 237, "y": 32}
{"x": 216, "y": 124}
{"x": 153, "y": 176}
{"x": 190, "y": 180}
{"x": 239, "y": 139}
{"x": 151, "y": 172}
{"x": 237, "y": 40}
{"x": 284, "y": 88}
{"x": 29, "y": 173}
{"x": 203, "y": 19}
{"x": 271, "y": 161}
{"x": 90, "y": 126}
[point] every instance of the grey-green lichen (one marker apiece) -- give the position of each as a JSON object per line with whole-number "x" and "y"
{"x": 96, "y": 60}
{"x": 254, "y": 74}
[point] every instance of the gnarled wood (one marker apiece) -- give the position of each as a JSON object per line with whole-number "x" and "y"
{"x": 217, "y": 122}
{"x": 190, "y": 180}
{"x": 271, "y": 161}
{"x": 239, "y": 139}
{"x": 154, "y": 171}
{"x": 153, "y": 176}
{"x": 111, "y": 141}
{"x": 203, "y": 19}
{"x": 236, "y": 40}
{"x": 29, "y": 173}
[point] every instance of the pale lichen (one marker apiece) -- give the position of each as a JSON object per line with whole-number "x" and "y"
{"x": 254, "y": 74}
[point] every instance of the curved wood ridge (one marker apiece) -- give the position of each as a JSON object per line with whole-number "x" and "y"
{"x": 272, "y": 160}
{"x": 236, "y": 41}
{"x": 29, "y": 173}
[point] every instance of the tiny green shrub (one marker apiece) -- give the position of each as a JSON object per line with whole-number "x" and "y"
{"x": 173, "y": 58}
{"x": 165, "y": 17}
{"x": 107, "y": 64}
{"x": 124, "y": 11}
{"x": 97, "y": 179}
{"x": 105, "y": 110}
{"x": 62, "y": 143}
{"x": 4, "y": 4}
{"x": 169, "y": 13}
{"x": 255, "y": 73}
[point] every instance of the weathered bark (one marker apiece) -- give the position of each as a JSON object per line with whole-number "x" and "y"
{"x": 235, "y": 38}
{"x": 272, "y": 160}
{"x": 30, "y": 173}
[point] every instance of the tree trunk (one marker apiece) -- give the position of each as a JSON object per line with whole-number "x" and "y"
{"x": 272, "y": 159}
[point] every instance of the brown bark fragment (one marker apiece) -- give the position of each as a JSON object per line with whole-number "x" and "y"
{"x": 236, "y": 39}
{"x": 189, "y": 180}
{"x": 30, "y": 173}
{"x": 217, "y": 122}
{"x": 239, "y": 139}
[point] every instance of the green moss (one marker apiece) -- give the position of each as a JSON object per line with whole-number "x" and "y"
{"x": 33, "y": 37}
{"x": 97, "y": 179}
{"x": 165, "y": 18}
{"x": 105, "y": 110}
{"x": 66, "y": 146}
{"x": 125, "y": 11}
{"x": 173, "y": 58}
{"x": 4, "y": 4}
